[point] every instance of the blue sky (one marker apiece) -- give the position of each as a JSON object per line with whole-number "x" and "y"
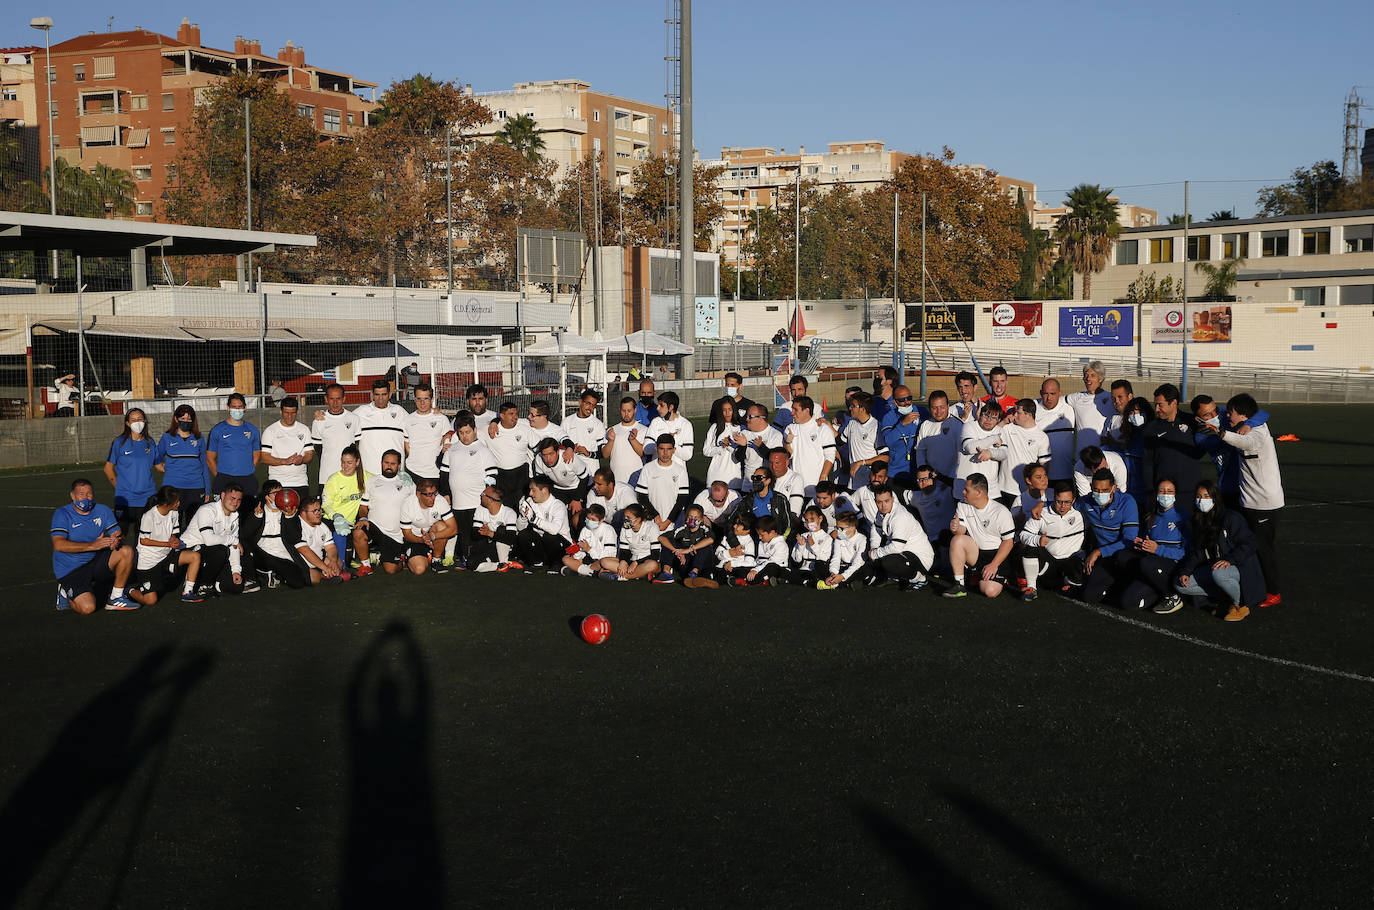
{"x": 1055, "y": 93}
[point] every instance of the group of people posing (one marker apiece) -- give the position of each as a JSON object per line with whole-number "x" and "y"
{"x": 1099, "y": 492}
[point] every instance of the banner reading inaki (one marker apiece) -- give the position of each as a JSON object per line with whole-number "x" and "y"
{"x": 1205, "y": 323}
{"x": 1017, "y": 320}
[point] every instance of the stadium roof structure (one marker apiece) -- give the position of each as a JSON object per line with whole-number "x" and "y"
{"x": 206, "y": 329}
{"x": 95, "y": 237}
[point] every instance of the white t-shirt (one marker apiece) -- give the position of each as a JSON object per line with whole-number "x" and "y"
{"x": 471, "y": 469}
{"x": 317, "y": 538}
{"x": 418, "y": 518}
{"x": 379, "y": 430}
{"x": 1022, "y": 447}
{"x": 384, "y": 498}
{"x": 270, "y": 541}
{"x": 721, "y": 449}
{"x": 590, "y": 434}
{"x": 745, "y": 560}
{"x": 1058, "y": 424}
{"x": 621, "y": 496}
{"x": 564, "y": 475}
{"x": 988, "y": 526}
{"x": 637, "y": 545}
{"x": 663, "y": 484}
{"x": 281, "y": 441}
{"x": 812, "y": 444}
{"x": 426, "y": 435}
{"x": 975, "y": 438}
{"x": 549, "y": 430}
{"x": 483, "y": 420}
{"x": 511, "y": 446}
{"x": 862, "y": 440}
{"x": 504, "y": 520}
{"x": 333, "y": 433}
{"x": 547, "y": 517}
{"x": 156, "y": 526}
{"x": 601, "y": 541}
{"x": 625, "y": 462}
{"x": 680, "y": 429}
{"x": 1090, "y": 416}
{"x": 770, "y": 438}
{"x": 712, "y": 511}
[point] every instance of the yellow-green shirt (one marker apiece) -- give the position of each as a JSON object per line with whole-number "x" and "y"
{"x": 341, "y": 495}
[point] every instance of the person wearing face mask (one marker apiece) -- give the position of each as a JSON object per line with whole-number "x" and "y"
{"x": 234, "y": 450}
{"x": 88, "y": 554}
{"x": 1052, "y": 543}
{"x": 1128, "y": 441}
{"x": 181, "y": 458}
{"x": 846, "y": 553}
{"x": 1169, "y": 447}
{"x": 761, "y": 500}
{"x": 811, "y": 549}
{"x": 734, "y": 393}
{"x": 687, "y": 550}
{"x": 1261, "y": 485}
{"x": 595, "y": 542}
{"x": 646, "y": 411}
{"x": 129, "y": 467}
{"x": 1163, "y": 542}
{"x": 899, "y": 432}
{"x": 1211, "y": 418}
{"x": 1114, "y": 521}
{"x": 1093, "y": 459}
{"x": 1221, "y": 564}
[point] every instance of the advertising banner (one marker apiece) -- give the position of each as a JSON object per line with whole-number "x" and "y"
{"x": 708, "y": 318}
{"x": 1096, "y": 326}
{"x": 944, "y": 322}
{"x": 1205, "y": 323}
{"x": 1017, "y": 321}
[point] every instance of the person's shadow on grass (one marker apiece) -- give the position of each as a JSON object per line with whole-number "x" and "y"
{"x": 392, "y": 855}
{"x": 94, "y": 758}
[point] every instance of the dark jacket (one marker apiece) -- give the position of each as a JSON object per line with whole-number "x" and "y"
{"x": 777, "y": 506}
{"x": 1235, "y": 544}
{"x": 1172, "y": 451}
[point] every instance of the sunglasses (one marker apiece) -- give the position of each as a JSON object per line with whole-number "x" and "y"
{"x": 906, "y": 400}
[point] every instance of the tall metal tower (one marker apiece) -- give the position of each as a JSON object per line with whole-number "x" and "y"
{"x": 672, "y": 97}
{"x": 1350, "y": 154}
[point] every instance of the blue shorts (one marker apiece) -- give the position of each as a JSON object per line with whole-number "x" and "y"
{"x": 84, "y": 579}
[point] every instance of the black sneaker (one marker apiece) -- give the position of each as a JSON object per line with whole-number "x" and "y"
{"x": 1171, "y": 604}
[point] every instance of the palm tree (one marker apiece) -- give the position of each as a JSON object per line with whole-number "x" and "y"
{"x": 1223, "y": 215}
{"x": 1221, "y": 278}
{"x": 1087, "y": 231}
{"x": 522, "y": 134}
{"x": 114, "y": 189}
{"x": 75, "y": 191}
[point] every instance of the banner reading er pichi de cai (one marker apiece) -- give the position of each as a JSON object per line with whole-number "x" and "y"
{"x": 1205, "y": 323}
{"x": 1096, "y": 326}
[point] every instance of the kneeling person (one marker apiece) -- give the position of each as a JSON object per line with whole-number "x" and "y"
{"x": 317, "y": 548}
{"x": 82, "y": 532}
{"x": 983, "y": 537}
{"x": 542, "y": 532}
{"x": 379, "y": 516}
{"x": 427, "y": 524}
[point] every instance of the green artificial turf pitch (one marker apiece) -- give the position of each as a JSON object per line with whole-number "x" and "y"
{"x": 450, "y": 741}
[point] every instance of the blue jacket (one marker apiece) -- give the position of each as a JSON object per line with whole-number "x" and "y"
{"x": 133, "y": 464}
{"x": 900, "y": 439}
{"x": 1169, "y": 529}
{"x": 183, "y": 460}
{"x": 1116, "y": 525}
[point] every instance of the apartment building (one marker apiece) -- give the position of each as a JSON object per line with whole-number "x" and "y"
{"x": 1324, "y": 260}
{"x": 18, "y": 100}
{"x": 576, "y": 122}
{"x": 124, "y": 99}
{"x": 1044, "y": 217}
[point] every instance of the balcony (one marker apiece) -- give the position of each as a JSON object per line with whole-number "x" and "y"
{"x": 12, "y": 110}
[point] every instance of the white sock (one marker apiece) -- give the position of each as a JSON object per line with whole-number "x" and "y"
{"x": 959, "y": 579}
{"x": 188, "y": 587}
{"x": 585, "y": 569}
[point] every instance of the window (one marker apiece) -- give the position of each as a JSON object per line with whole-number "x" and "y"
{"x": 1235, "y": 246}
{"x": 143, "y": 172}
{"x": 596, "y": 145}
{"x": 853, "y": 168}
{"x": 1274, "y": 243}
{"x": 169, "y": 135}
{"x": 306, "y": 110}
{"x": 527, "y": 112}
{"x": 834, "y": 169}
{"x": 1357, "y": 295}
{"x": 1310, "y": 296}
{"x": 1128, "y": 252}
{"x": 501, "y": 114}
{"x": 1316, "y": 241}
{"x": 665, "y": 129}
{"x": 52, "y": 74}
{"x": 138, "y": 102}
{"x": 1199, "y": 248}
{"x": 332, "y": 121}
{"x": 79, "y": 72}
{"x": 770, "y": 309}
{"x": 9, "y": 94}
{"x": 104, "y": 68}
{"x": 1359, "y": 238}
{"x": 572, "y": 143}
{"x": 168, "y": 101}
{"x": 53, "y": 109}
{"x": 596, "y": 116}
{"x": 350, "y": 119}
{"x": 813, "y": 169}
{"x": 171, "y": 173}
{"x": 1162, "y": 250}
{"x": 143, "y": 208}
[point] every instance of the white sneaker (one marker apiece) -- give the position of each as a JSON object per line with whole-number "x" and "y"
{"x": 487, "y": 566}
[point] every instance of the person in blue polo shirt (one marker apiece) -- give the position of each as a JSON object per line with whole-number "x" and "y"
{"x": 181, "y": 458}
{"x": 129, "y": 467}
{"x": 899, "y": 431}
{"x": 234, "y": 450}
{"x": 88, "y": 553}
{"x": 1114, "y": 520}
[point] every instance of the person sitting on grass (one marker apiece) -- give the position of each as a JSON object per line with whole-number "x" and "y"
{"x": 595, "y": 544}
{"x": 812, "y": 548}
{"x": 317, "y": 548}
{"x": 1052, "y": 543}
{"x": 342, "y": 494}
{"x": 717, "y": 502}
{"x": 1162, "y": 543}
{"x": 214, "y": 534}
{"x": 847, "y": 553}
{"x": 427, "y": 525}
{"x": 664, "y": 487}
{"x": 1114, "y": 520}
{"x": 542, "y": 532}
{"x": 637, "y": 556}
{"x": 160, "y": 554}
{"x": 493, "y": 532}
{"x": 983, "y": 537}
{"x": 686, "y": 550}
{"x": 1222, "y": 563}
{"x": 771, "y": 566}
{"x": 272, "y": 541}
{"x": 736, "y": 553}
{"x": 81, "y": 532}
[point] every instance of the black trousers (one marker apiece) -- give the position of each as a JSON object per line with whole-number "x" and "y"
{"x": 1055, "y": 571}
{"x": 700, "y": 560}
{"x": 215, "y": 570}
{"x": 1264, "y": 524}
{"x": 191, "y": 500}
{"x": 1110, "y": 573}
{"x": 465, "y": 531}
{"x": 809, "y": 572}
{"x": 1153, "y": 579}
{"x": 892, "y": 567}
{"x": 535, "y": 547}
{"x": 513, "y": 483}
{"x": 288, "y": 571}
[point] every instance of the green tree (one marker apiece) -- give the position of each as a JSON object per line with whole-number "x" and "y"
{"x": 113, "y": 189}
{"x": 1318, "y": 188}
{"x": 1152, "y": 289}
{"x": 1223, "y": 215}
{"x": 1221, "y": 278}
{"x": 522, "y": 134}
{"x": 1087, "y": 231}
{"x": 1037, "y": 255}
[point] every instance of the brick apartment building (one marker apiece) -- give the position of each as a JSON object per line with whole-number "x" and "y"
{"x": 123, "y": 99}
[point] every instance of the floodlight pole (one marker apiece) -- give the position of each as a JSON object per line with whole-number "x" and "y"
{"x": 923, "y": 294}
{"x": 44, "y": 24}
{"x": 448, "y": 202}
{"x": 1187, "y": 330}
{"x": 898, "y": 318}
{"x": 248, "y": 182}
{"x": 80, "y": 347}
{"x": 796, "y": 274}
{"x": 687, "y": 305}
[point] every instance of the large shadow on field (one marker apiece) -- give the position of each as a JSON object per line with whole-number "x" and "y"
{"x": 938, "y": 882}
{"x": 391, "y": 854}
{"x": 116, "y": 743}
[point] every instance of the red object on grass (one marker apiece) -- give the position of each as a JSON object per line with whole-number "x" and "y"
{"x": 596, "y": 629}
{"x": 1289, "y": 437}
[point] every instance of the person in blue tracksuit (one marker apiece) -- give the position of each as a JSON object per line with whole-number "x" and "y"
{"x": 1114, "y": 521}
{"x": 898, "y": 431}
{"x": 129, "y": 467}
{"x": 181, "y": 458}
{"x": 1163, "y": 541}
{"x": 233, "y": 451}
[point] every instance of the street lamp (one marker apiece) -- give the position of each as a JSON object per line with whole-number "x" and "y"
{"x": 44, "y": 24}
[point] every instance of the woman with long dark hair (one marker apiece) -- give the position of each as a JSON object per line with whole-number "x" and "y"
{"x": 1128, "y": 441}
{"x": 342, "y": 494}
{"x": 129, "y": 468}
{"x": 726, "y": 463}
{"x": 181, "y": 458}
{"x": 1163, "y": 541}
{"x": 1222, "y": 563}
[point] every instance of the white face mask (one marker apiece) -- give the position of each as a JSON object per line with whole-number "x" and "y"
{"x": 1213, "y": 422}
{"x": 1166, "y": 500}
{"x": 851, "y": 533}
{"x": 732, "y": 391}
{"x": 593, "y": 524}
{"x": 137, "y": 426}
{"x": 1137, "y": 420}
{"x": 813, "y": 526}
{"x": 905, "y": 409}
{"x": 1204, "y": 505}
{"x": 1102, "y": 498}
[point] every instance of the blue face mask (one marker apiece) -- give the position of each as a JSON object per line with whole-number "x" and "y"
{"x": 84, "y": 505}
{"x": 1102, "y": 498}
{"x": 1166, "y": 500}
{"x": 236, "y": 413}
{"x": 1204, "y": 505}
